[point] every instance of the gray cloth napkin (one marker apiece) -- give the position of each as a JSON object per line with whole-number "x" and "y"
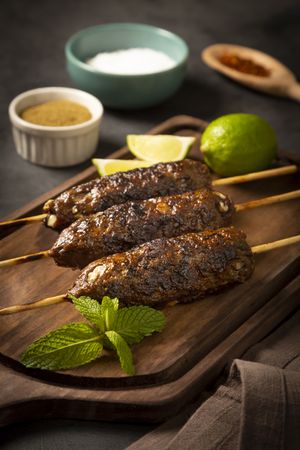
{"x": 258, "y": 408}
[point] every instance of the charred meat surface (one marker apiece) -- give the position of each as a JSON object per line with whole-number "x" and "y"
{"x": 122, "y": 227}
{"x": 183, "y": 269}
{"x": 138, "y": 184}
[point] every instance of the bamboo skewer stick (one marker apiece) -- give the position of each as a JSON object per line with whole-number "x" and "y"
{"x": 34, "y": 305}
{"x": 239, "y": 207}
{"x": 261, "y": 248}
{"x": 268, "y": 200}
{"x": 285, "y": 170}
{"x": 23, "y": 220}
{"x": 23, "y": 259}
{"x": 256, "y": 175}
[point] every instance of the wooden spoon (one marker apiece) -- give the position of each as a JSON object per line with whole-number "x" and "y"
{"x": 281, "y": 81}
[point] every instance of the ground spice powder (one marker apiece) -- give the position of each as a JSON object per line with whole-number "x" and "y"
{"x": 56, "y": 113}
{"x": 243, "y": 65}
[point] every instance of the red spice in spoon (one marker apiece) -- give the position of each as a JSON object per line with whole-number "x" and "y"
{"x": 243, "y": 65}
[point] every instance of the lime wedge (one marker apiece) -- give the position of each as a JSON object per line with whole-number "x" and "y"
{"x": 159, "y": 148}
{"x": 110, "y": 166}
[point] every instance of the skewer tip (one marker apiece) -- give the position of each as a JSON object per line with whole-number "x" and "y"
{"x": 285, "y": 170}
{"x": 24, "y": 259}
{"x": 34, "y": 305}
{"x": 261, "y": 248}
{"x": 22, "y": 220}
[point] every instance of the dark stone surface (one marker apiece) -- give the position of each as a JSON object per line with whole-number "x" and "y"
{"x": 33, "y": 34}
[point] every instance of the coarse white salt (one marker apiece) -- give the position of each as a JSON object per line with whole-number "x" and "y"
{"x": 132, "y": 61}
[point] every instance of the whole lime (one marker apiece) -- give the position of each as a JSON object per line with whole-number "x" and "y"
{"x": 235, "y": 144}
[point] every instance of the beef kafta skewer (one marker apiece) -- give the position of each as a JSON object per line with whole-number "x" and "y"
{"x": 124, "y": 226}
{"x": 181, "y": 269}
{"x": 138, "y": 184}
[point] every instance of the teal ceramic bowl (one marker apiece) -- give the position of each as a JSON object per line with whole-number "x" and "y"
{"x": 126, "y": 91}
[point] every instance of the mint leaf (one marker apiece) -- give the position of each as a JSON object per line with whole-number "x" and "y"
{"x": 69, "y": 346}
{"x": 90, "y": 309}
{"x": 123, "y": 351}
{"x": 76, "y": 344}
{"x": 109, "y": 311}
{"x": 107, "y": 301}
{"x": 136, "y": 322}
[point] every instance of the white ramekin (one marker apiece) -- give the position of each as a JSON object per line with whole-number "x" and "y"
{"x": 55, "y": 146}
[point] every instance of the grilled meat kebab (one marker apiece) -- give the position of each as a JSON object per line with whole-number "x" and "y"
{"x": 124, "y": 226}
{"x": 138, "y": 184}
{"x": 182, "y": 269}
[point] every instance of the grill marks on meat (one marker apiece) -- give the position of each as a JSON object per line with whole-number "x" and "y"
{"x": 138, "y": 184}
{"x": 183, "y": 269}
{"x": 122, "y": 227}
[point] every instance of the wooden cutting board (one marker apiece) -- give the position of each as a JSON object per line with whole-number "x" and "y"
{"x": 199, "y": 339}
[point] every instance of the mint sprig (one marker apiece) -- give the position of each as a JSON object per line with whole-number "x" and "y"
{"x": 123, "y": 351}
{"x": 136, "y": 322}
{"x": 90, "y": 309}
{"x": 76, "y": 344}
{"x": 69, "y": 346}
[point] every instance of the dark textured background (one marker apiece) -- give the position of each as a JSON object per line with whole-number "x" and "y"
{"x": 33, "y": 34}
